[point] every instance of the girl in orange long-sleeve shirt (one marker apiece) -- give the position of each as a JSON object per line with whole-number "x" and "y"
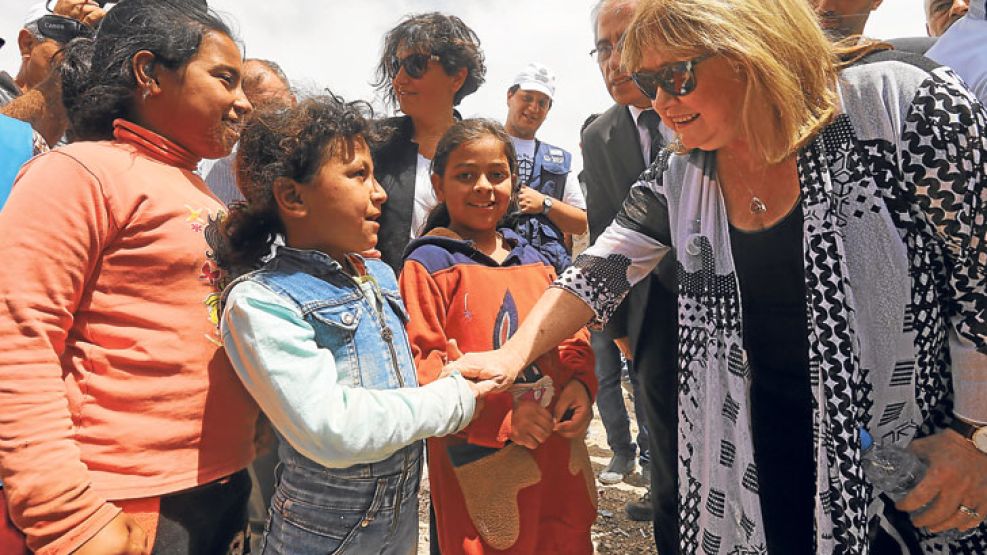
{"x": 518, "y": 479}
{"x": 123, "y": 427}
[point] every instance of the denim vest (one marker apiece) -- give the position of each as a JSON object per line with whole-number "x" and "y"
{"x": 548, "y": 177}
{"x": 370, "y": 346}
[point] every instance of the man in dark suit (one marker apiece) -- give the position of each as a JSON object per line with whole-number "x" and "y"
{"x": 616, "y": 149}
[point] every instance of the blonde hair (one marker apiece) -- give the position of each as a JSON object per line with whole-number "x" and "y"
{"x": 789, "y": 65}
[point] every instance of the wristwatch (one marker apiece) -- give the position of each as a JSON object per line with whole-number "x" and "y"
{"x": 976, "y": 434}
{"x": 546, "y": 205}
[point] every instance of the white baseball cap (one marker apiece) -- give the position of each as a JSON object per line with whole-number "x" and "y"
{"x": 536, "y": 77}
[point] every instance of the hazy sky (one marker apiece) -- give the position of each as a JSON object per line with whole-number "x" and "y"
{"x": 336, "y": 44}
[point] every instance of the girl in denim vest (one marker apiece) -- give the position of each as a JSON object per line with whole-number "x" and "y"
{"x": 316, "y": 333}
{"x": 518, "y": 479}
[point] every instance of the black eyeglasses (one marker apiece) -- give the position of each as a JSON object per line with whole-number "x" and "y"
{"x": 677, "y": 79}
{"x": 62, "y": 29}
{"x": 415, "y": 65}
{"x": 605, "y": 49}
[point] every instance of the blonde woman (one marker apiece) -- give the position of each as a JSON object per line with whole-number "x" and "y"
{"x": 829, "y": 230}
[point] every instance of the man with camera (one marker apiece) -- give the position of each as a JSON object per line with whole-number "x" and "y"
{"x": 31, "y": 113}
{"x": 43, "y": 35}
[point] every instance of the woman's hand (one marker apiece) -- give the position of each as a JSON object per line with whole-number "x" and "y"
{"x": 574, "y": 398}
{"x": 121, "y": 536}
{"x": 82, "y": 10}
{"x": 531, "y": 424}
{"x": 530, "y": 201}
{"x": 957, "y": 476}
{"x": 501, "y": 366}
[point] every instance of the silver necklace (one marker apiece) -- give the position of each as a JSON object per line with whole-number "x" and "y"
{"x": 757, "y": 205}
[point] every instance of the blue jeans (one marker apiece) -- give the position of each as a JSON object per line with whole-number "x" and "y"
{"x": 610, "y": 400}
{"x": 364, "y": 509}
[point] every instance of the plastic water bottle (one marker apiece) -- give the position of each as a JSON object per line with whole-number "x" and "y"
{"x": 896, "y": 471}
{"x": 891, "y": 469}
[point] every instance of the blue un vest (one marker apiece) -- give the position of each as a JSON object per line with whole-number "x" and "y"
{"x": 548, "y": 176}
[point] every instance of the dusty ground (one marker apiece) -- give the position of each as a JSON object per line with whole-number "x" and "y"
{"x": 613, "y": 532}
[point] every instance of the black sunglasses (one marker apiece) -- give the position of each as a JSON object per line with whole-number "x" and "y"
{"x": 415, "y": 65}
{"x": 62, "y": 29}
{"x": 678, "y": 79}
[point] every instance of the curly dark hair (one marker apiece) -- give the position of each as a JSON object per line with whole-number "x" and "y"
{"x": 285, "y": 142}
{"x": 445, "y": 36}
{"x": 467, "y": 131}
{"x": 98, "y": 82}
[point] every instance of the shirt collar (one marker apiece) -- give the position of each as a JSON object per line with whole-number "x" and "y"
{"x": 636, "y": 113}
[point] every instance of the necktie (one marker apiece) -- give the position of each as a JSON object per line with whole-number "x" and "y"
{"x": 650, "y": 120}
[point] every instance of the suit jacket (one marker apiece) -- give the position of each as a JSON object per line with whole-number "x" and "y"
{"x": 612, "y": 163}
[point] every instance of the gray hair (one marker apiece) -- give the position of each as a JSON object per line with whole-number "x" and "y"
{"x": 273, "y": 67}
{"x": 594, "y": 14}
{"x": 32, "y": 28}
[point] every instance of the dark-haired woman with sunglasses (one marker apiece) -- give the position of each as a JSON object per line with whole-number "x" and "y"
{"x": 429, "y": 63}
{"x": 829, "y": 229}
{"x": 124, "y": 428}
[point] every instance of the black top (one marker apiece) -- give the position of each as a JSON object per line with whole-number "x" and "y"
{"x": 396, "y": 167}
{"x": 771, "y": 272}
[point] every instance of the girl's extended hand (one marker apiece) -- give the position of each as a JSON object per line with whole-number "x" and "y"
{"x": 480, "y": 389}
{"x": 531, "y": 424}
{"x": 957, "y": 475}
{"x": 574, "y": 398}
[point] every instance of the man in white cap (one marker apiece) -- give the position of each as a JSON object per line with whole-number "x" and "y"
{"x": 551, "y": 202}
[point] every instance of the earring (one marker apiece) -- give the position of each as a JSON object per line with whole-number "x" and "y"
{"x": 145, "y": 93}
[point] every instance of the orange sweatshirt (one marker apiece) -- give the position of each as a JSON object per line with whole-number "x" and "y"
{"x": 113, "y": 384}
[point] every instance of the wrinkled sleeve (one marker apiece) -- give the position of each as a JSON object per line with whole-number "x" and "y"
{"x": 53, "y": 231}
{"x": 576, "y": 354}
{"x": 944, "y": 159}
{"x": 273, "y": 350}
{"x": 629, "y": 249}
{"x": 427, "y": 311}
